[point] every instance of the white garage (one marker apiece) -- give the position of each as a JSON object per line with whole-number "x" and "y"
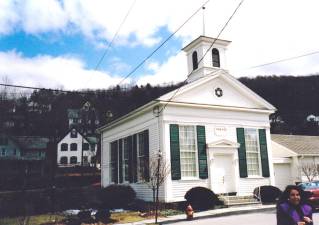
{"x": 282, "y": 172}
{"x": 284, "y": 168}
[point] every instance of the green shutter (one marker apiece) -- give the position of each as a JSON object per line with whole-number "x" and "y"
{"x": 202, "y": 157}
{"x": 134, "y": 164}
{"x": 263, "y": 153}
{"x": 242, "y": 152}
{"x": 175, "y": 153}
{"x": 130, "y": 158}
{"x": 147, "y": 156}
{"x": 121, "y": 161}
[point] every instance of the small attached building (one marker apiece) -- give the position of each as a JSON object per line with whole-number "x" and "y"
{"x": 213, "y": 132}
{"x": 290, "y": 154}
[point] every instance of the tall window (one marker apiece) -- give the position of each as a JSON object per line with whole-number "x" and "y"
{"x": 252, "y": 152}
{"x": 73, "y": 160}
{"x": 188, "y": 151}
{"x": 3, "y": 152}
{"x": 74, "y": 147}
{"x": 64, "y": 160}
{"x": 114, "y": 161}
{"x": 64, "y": 147}
{"x": 215, "y": 57}
{"x": 195, "y": 60}
{"x": 141, "y": 157}
{"x": 125, "y": 159}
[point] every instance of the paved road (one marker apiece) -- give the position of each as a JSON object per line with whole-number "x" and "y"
{"x": 266, "y": 218}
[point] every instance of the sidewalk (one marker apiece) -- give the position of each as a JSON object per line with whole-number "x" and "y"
{"x": 210, "y": 213}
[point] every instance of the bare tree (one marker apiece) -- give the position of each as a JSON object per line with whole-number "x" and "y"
{"x": 310, "y": 170}
{"x": 158, "y": 171}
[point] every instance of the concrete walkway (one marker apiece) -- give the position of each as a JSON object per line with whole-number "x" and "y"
{"x": 210, "y": 213}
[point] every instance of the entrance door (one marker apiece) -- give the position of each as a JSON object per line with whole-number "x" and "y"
{"x": 223, "y": 174}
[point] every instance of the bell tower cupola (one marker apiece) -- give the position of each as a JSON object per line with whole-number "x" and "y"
{"x": 213, "y": 60}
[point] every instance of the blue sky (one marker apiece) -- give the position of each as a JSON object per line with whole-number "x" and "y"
{"x": 58, "y": 43}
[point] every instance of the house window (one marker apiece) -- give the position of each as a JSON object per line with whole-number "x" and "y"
{"x": 85, "y": 146}
{"x": 215, "y": 57}
{"x": 125, "y": 159}
{"x": 74, "y": 147}
{"x": 64, "y": 160}
{"x": 252, "y": 152}
{"x": 195, "y": 60}
{"x": 114, "y": 161}
{"x": 188, "y": 151}
{"x": 73, "y": 160}
{"x": 74, "y": 133}
{"x": 3, "y": 152}
{"x": 141, "y": 157}
{"x": 85, "y": 159}
{"x": 64, "y": 147}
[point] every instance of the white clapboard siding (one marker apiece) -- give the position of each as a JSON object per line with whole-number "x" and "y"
{"x": 247, "y": 185}
{"x": 134, "y": 126}
{"x": 179, "y": 188}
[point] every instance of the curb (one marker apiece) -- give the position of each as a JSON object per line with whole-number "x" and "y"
{"x": 240, "y": 211}
{"x": 207, "y": 214}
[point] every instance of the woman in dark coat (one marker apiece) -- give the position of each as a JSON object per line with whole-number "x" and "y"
{"x": 292, "y": 209}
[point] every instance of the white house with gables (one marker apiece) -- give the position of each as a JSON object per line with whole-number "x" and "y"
{"x": 75, "y": 149}
{"x": 213, "y": 131}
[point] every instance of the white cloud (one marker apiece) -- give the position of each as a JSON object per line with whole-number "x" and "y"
{"x": 52, "y": 72}
{"x": 173, "y": 70}
{"x": 261, "y": 31}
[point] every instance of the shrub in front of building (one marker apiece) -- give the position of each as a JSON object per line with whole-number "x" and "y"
{"x": 117, "y": 196}
{"x": 201, "y": 198}
{"x": 267, "y": 193}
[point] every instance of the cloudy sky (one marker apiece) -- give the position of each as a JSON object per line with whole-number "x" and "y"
{"x": 59, "y": 43}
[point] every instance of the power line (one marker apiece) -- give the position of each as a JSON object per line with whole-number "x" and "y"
{"x": 220, "y": 32}
{"x": 115, "y": 36}
{"x": 283, "y": 60}
{"x": 164, "y": 42}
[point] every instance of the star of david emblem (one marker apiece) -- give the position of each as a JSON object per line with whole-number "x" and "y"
{"x": 218, "y": 92}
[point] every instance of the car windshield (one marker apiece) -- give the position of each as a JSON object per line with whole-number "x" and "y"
{"x": 310, "y": 185}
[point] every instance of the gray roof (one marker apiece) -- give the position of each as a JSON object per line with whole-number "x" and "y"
{"x": 300, "y": 144}
{"x": 92, "y": 140}
{"x": 31, "y": 142}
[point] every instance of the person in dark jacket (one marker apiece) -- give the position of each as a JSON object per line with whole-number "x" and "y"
{"x": 292, "y": 209}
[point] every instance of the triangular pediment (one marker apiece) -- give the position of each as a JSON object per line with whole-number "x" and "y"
{"x": 218, "y": 89}
{"x": 223, "y": 143}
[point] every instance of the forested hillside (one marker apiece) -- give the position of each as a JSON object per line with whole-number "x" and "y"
{"x": 44, "y": 113}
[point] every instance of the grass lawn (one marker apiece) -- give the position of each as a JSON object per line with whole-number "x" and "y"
{"x": 34, "y": 220}
{"x": 122, "y": 217}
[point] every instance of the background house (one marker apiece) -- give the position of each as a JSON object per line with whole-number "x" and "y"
{"x": 76, "y": 149}
{"x": 85, "y": 119}
{"x": 291, "y": 155}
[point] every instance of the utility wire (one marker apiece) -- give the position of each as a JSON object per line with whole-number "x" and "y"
{"x": 164, "y": 42}
{"x": 115, "y": 36}
{"x": 282, "y": 60}
{"x": 68, "y": 91}
{"x": 201, "y": 59}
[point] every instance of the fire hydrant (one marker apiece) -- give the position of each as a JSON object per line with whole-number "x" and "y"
{"x": 189, "y": 212}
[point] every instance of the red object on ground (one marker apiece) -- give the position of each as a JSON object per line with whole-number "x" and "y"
{"x": 189, "y": 212}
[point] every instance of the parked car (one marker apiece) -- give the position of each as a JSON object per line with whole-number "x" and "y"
{"x": 312, "y": 192}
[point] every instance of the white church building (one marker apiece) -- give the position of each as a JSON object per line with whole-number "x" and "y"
{"x": 213, "y": 132}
